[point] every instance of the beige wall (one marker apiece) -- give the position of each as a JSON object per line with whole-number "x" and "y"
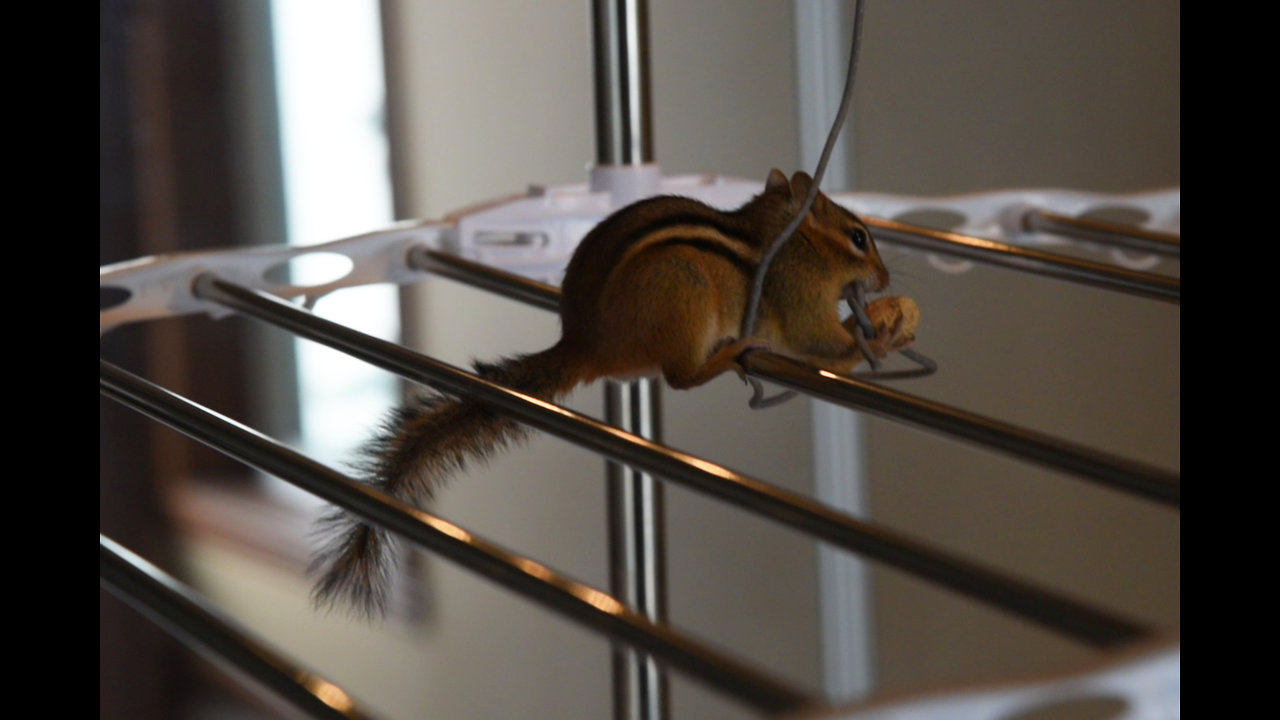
{"x": 955, "y": 97}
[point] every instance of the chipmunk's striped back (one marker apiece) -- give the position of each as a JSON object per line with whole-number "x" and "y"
{"x": 649, "y": 225}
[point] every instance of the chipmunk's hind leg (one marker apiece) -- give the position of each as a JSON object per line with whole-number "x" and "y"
{"x": 699, "y": 334}
{"x": 667, "y": 312}
{"x": 690, "y": 371}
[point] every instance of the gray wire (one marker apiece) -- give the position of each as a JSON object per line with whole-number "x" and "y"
{"x": 864, "y": 329}
{"x": 757, "y": 283}
{"x": 758, "y": 400}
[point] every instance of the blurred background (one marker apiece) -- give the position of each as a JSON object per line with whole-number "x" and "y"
{"x": 246, "y": 122}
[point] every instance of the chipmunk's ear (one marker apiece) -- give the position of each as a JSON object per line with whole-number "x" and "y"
{"x": 776, "y": 181}
{"x": 800, "y": 184}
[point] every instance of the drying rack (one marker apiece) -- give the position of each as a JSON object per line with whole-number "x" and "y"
{"x": 515, "y": 247}
{"x": 236, "y": 281}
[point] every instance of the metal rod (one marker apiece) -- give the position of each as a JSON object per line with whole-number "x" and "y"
{"x": 637, "y": 553}
{"x": 1065, "y": 615}
{"x": 1061, "y": 267}
{"x": 620, "y": 42}
{"x": 502, "y": 283}
{"x": 1115, "y": 472}
{"x": 185, "y": 615}
{"x": 1130, "y": 237}
{"x": 1108, "y": 470}
{"x": 624, "y": 137}
{"x": 582, "y": 603}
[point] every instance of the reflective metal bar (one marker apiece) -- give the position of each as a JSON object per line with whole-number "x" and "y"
{"x": 624, "y": 137}
{"x": 1109, "y": 470}
{"x": 637, "y": 553}
{"x": 502, "y": 283}
{"x": 1061, "y": 267}
{"x": 185, "y": 615}
{"x": 582, "y": 603}
{"x": 1053, "y": 611}
{"x": 1115, "y": 472}
{"x": 620, "y": 35}
{"x": 1129, "y": 237}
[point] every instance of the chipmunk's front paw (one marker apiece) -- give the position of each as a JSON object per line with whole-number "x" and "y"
{"x": 741, "y": 348}
{"x": 895, "y": 320}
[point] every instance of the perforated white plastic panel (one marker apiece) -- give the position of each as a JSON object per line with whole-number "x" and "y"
{"x": 535, "y": 234}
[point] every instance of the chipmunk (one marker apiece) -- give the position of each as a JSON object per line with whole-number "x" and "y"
{"x": 659, "y": 287}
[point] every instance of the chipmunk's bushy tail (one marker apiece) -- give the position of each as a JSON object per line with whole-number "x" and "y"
{"x": 416, "y": 449}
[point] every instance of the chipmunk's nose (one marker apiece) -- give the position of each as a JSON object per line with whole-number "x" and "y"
{"x": 876, "y": 281}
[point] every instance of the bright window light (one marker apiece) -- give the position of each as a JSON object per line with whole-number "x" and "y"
{"x": 331, "y": 96}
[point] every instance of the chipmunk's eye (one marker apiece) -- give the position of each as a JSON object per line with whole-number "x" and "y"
{"x": 860, "y": 239}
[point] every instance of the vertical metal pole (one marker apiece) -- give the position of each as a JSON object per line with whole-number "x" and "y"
{"x": 637, "y": 568}
{"x": 637, "y": 571}
{"x": 624, "y": 134}
{"x": 839, "y": 435}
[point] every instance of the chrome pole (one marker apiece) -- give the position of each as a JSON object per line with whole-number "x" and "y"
{"x": 485, "y": 277}
{"x": 1118, "y": 473}
{"x": 620, "y": 35}
{"x": 637, "y": 572}
{"x": 1037, "y": 262}
{"x": 1112, "y": 471}
{"x": 185, "y": 615}
{"x": 1051, "y": 610}
{"x": 637, "y": 567}
{"x": 1129, "y": 237}
{"x": 534, "y": 581}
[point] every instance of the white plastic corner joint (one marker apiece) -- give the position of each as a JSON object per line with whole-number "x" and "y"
{"x": 626, "y": 183}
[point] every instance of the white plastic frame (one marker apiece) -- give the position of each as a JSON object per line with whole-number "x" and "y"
{"x": 535, "y": 234}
